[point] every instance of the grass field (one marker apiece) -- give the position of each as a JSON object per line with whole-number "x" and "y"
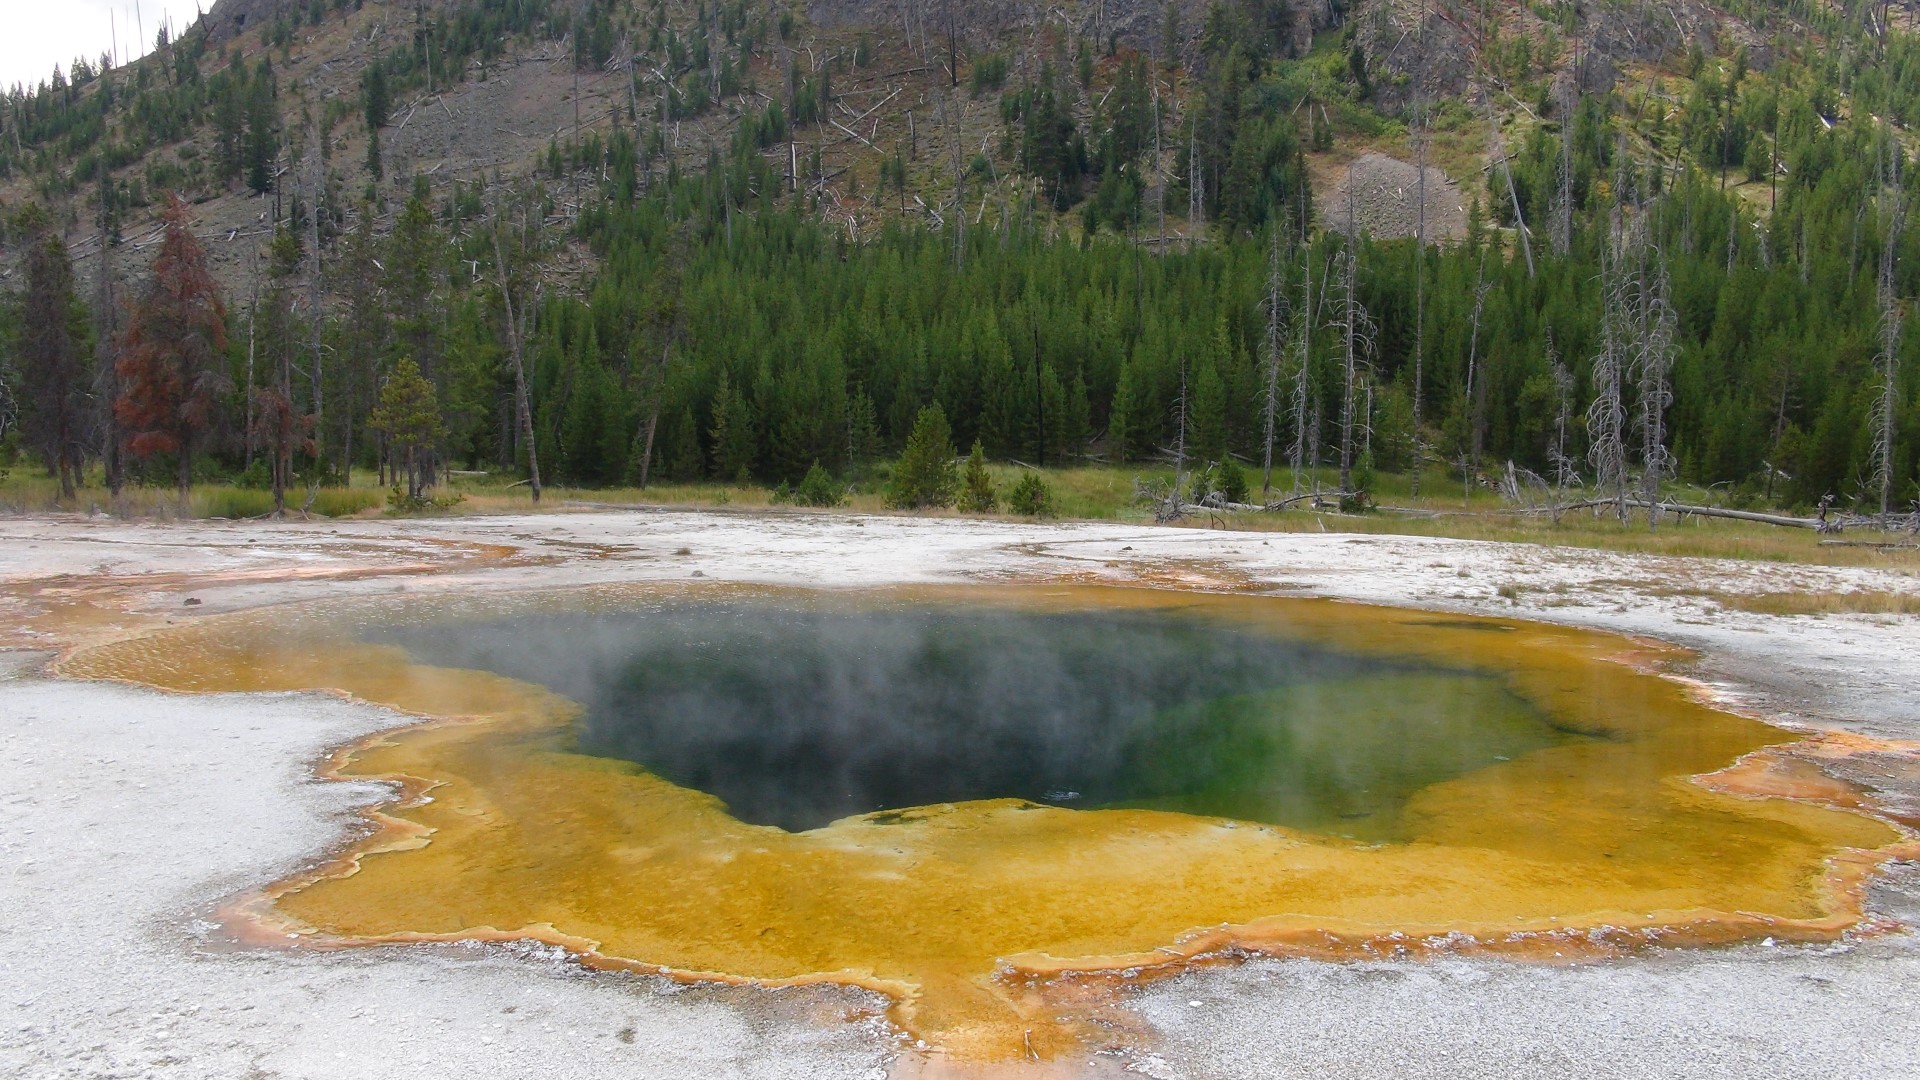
{"x": 1090, "y": 493}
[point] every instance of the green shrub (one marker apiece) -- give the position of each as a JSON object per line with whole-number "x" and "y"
{"x": 1230, "y": 481}
{"x": 255, "y": 477}
{"x": 1030, "y": 496}
{"x": 976, "y": 487}
{"x": 1361, "y": 497}
{"x": 818, "y": 488}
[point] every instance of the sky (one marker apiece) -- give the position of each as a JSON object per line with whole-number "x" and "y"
{"x": 37, "y": 34}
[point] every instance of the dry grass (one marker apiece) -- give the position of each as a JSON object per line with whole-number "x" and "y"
{"x": 1083, "y": 493}
{"x": 38, "y": 494}
{"x": 1857, "y": 602}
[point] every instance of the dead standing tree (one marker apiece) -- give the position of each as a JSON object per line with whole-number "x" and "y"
{"x": 1607, "y": 414}
{"x": 517, "y": 334}
{"x": 1565, "y": 473}
{"x": 1886, "y": 404}
{"x": 1173, "y": 506}
{"x": 1276, "y": 306}
{"x": 1305, "y": 422}
{"x": 666, "y": 325}
{"x": 1476, "y": 378}
{"x": 1358, "y": 330}
{"x": 316, "y": 183}
{"x": 1420, "y": 248}
{"x": 1652, "y": 325}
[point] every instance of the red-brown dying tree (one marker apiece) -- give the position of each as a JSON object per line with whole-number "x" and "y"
{"x": 170, "y": 374}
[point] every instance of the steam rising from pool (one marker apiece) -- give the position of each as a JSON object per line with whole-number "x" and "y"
{"x": 799, "y": 714}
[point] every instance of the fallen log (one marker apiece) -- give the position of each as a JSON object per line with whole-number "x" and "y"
{"x": 1684, "y": 508}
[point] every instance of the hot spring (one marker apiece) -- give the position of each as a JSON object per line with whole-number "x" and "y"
{"x": 797, "y": 715}
{"x": 955, "y": 795}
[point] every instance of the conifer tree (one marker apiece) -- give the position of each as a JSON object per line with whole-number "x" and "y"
{"x": 976, "y": 486}
{"x": 278, "y": 424}
{"x": 54, "y": 358}
{"x": 1121, "y": 433}
{"x": 262, "y": 131}
{"x": 1207, "y": 414}
{"x": 925, "y": 476}
{"x": 1030, "y": 495}
{"x": 170, "y": 376}
{"x": 863, "y": 431}
{"x": 409, "y": 416}
{"x": 734, "y": 444}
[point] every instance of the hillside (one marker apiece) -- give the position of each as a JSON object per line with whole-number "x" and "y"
{"x": 1668, "y": 241}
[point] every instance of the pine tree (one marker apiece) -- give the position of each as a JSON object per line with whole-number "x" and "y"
{"x": 1031, "y": 495}
{"x": 976, "y": 486}
{"x": 170, "y": 376}
{"x": 54, "y": 358}
{"x": 735, "y": 447}
{"x": 1208, "y": 415}
{"x": 1122, "y": 434}
{"x": 414, "y": 259}
{"x": 277, "y": 423}
{"x": 409, "y": 416}
{"x": 924, "y": 476}
{"x": 863, "y": 431}
{"x": 681, "y": 462}
{"x": 262, "y": 131}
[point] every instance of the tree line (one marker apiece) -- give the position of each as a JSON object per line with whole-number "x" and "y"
{"x": 725, "y": 334}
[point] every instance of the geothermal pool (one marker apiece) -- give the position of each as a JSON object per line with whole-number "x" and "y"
{"x": 959, "y": 795}
{"x": 797, "y": 713}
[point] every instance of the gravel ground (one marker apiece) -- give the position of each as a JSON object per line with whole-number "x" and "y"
{"x": 1386, "y": 200}
{"x": 129, "y": 814}
{"x": 1754, "y": 1012}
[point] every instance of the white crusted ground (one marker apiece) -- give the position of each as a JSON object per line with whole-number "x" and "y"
{"x": 125, "y": 814}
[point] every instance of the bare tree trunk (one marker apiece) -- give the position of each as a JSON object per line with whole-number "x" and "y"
{"x": 1276, "y": 302}
{"x": 107, "y": 375}
{"x": 1476, "y": 379}
{"x": 1606, "y": 415}
{"x": 1348, "y": 303}
{"x": 1886, "y": 405}
{"x": 959, "y": 179}
{"x": 1419, "y": 251}
{"x": 1159, "y": 166}
{"x": 522, "y": 399}
{"x": 1653, "y": 327}
{"x": 646, "y": 452}
{"x": 316, "y": 180}
{"x": 1175, "y": 499}
{"x": 1563, "y": 471}
{"x": 1513, "y": 196}
{"x": 253, "y": 323}
{"x": 1302, "y": 375}
{"x": 1357, "y": 328}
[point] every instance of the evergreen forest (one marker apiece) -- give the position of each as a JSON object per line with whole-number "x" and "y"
{"x": 1715, "y": 296}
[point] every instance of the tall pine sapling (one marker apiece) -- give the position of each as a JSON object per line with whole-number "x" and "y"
{"x": 925, "y": 475}
{"x": 977, "y": 495}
